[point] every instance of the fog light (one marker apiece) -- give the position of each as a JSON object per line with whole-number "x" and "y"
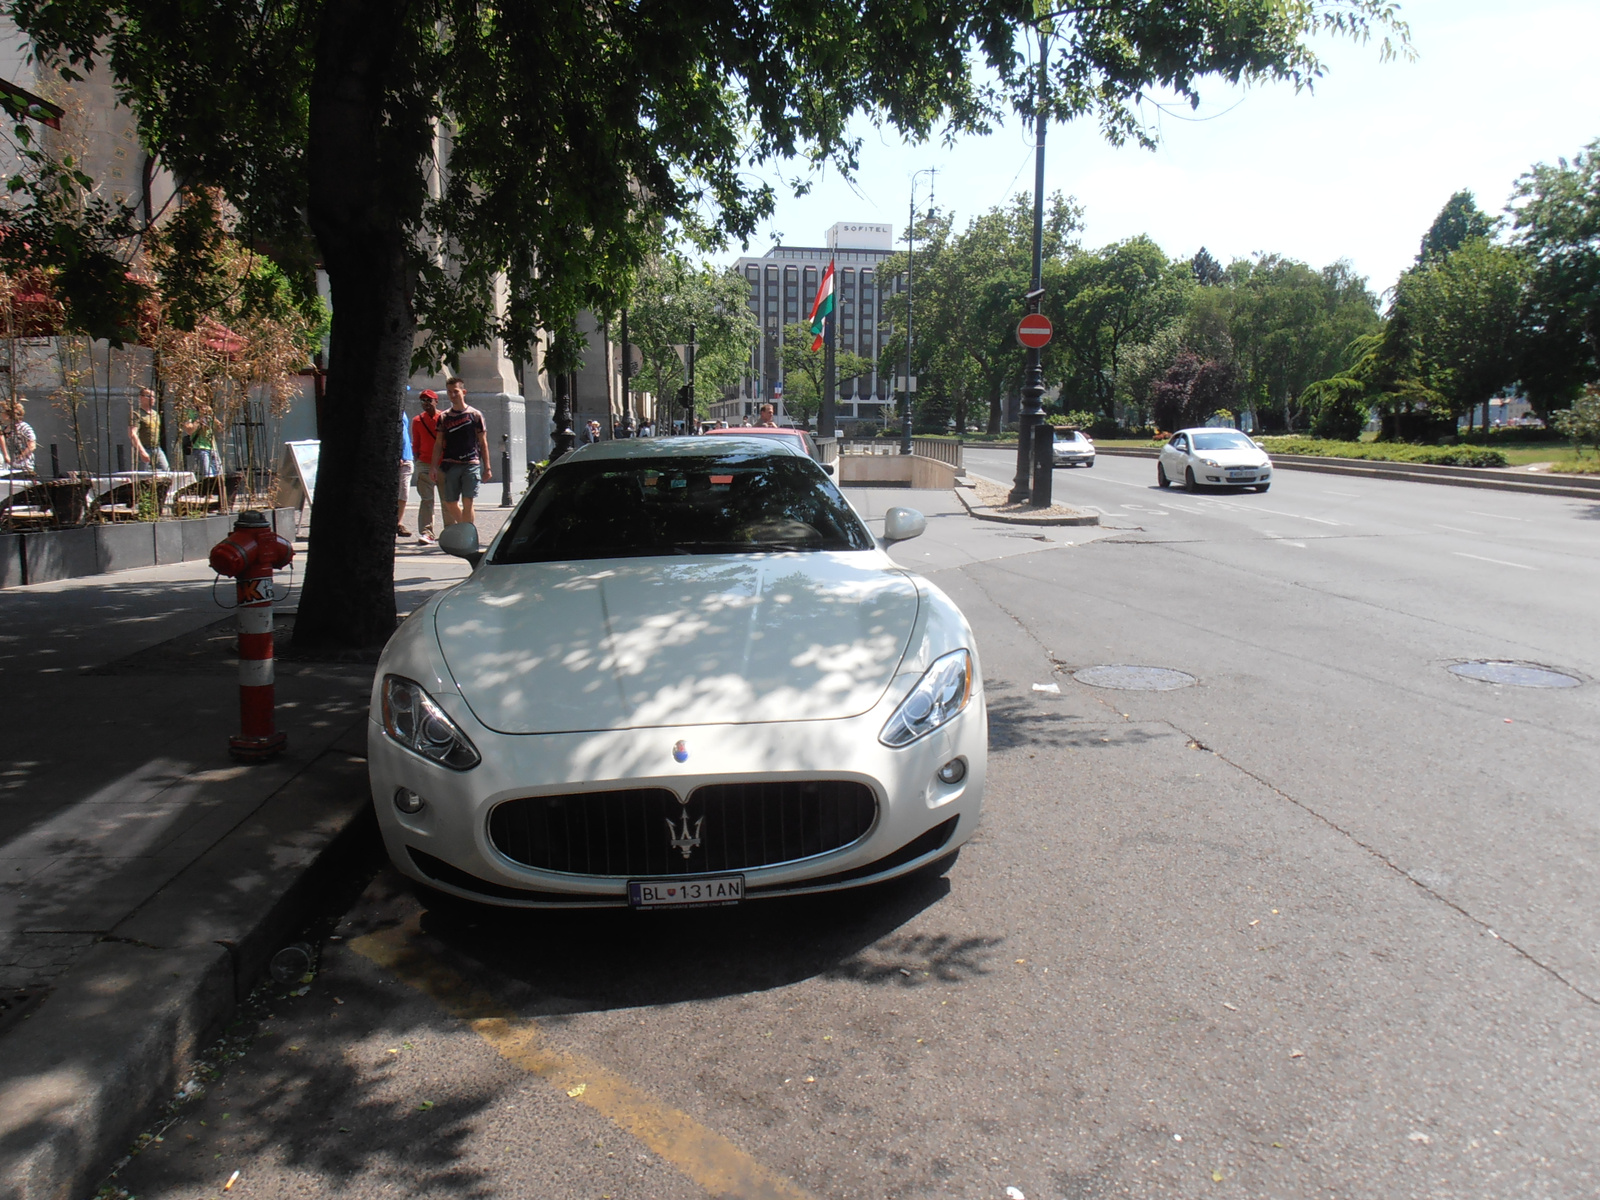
{"x": 408, "y": 801}
{"x": 953, "y": 771}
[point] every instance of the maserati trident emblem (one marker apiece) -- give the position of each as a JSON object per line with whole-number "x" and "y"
{"x": 685, "y": 840}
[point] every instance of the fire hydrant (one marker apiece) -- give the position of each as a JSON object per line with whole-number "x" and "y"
{"x": 250, "y": 554}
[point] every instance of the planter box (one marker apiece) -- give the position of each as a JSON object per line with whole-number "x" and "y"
{"x": 169, "y": 542}
{"x": 60, "y": 554}
{"x": 123, "y": 547}
{"x": 202, "y": 533}
{"x": 55, "y": 554}
{"x": 10, "y": 560}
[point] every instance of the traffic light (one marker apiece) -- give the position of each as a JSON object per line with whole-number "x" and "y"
{"x": 685, "y": 398}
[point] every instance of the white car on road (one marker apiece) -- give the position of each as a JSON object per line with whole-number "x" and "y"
{"x": 1073, "y": 448}
{"x": 1213, "y": 458}
{"x": 684, "y": 673}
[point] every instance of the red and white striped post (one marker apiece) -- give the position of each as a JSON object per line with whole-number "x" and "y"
{"x": 250, "y": 554}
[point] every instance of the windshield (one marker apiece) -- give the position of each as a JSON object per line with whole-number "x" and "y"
{"x": 1222, "y": 441}
{"x": 1069, "y": 435}
{"x": 704, "y": 504}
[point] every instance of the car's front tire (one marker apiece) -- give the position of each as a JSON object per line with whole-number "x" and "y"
{"x": 1263, "y": 487}
{"x": 1090, "y": 463}
{"x": 1189, "y": 483}
{"x": 1161, "y": 476}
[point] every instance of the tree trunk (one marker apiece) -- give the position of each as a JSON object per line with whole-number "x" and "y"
{"x": 996, "y": 412}
{"x": 348, "y": 596}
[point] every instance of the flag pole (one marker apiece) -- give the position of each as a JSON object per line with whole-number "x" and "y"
{"x": 830, "y": 382}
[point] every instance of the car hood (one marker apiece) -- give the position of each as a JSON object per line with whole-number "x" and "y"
{"x": 631, "y": 643}
{"x": 1234, "y": 458}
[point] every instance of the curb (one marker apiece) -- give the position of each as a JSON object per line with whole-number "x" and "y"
{"x": 115, "y": 1040}
{"x": 1474, "y": 477}
{"x": 984, "y": 513}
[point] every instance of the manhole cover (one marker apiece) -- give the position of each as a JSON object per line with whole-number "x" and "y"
{"x": 1134, "y": 679}
{"x": 1515, "y": 673}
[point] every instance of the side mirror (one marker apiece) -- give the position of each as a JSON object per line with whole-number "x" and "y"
{"x": 901, "y": 524}
{"x": 461, "y": 540}
{"x": 827, "y": 468}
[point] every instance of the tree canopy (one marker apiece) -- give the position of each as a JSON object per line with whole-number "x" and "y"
{"x": 1458, "y": 222}
{"x": 1555, "y": 213}
{"x": 475, "y": 173}
{"x": 803, "y": 370}
{"x": 674, "y": 296}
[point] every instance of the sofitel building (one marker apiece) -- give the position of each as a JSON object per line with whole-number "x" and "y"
{"x": 783, "y": 283}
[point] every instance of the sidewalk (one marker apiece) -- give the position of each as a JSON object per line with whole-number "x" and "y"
{"x": 145, "y": 877}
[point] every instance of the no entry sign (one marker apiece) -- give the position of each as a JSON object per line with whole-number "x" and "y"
{"x": 1034, "y": 330}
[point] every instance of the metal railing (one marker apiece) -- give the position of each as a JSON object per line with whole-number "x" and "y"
{"x": 939, "y": 449}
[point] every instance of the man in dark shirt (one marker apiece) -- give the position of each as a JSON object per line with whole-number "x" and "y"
{"x": 460, "y": 454}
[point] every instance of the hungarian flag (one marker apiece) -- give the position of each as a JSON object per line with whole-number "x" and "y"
{"x": 821, "y": 307}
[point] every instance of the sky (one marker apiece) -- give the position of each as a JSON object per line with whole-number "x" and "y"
{"x": 1356, "y": 169}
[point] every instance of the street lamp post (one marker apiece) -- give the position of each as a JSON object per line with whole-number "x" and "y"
{"x": 688, "y": 415}
{"x": 911, "y": 245}
{"x": 1032, "y": 414}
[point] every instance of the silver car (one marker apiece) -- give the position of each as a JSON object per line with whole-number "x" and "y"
{"x": 1073, "y": 449}
{"x": 1213, "y": 458}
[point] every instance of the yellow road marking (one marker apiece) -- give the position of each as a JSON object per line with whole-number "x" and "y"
{"x": 707, "y": 1158}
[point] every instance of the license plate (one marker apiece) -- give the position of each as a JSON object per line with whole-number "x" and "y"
{"x": 1241, "y": 474}
{"x": 686, "y": 893}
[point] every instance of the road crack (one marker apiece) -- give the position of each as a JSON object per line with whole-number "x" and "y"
{"x": 1388, "y": 862}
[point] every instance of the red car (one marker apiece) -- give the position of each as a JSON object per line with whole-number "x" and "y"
{"x": 775, "y": 431}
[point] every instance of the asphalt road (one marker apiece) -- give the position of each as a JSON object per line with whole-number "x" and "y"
{"x": 1325, "y": 923}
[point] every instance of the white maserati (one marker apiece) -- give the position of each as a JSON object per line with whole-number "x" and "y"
{"x": 684, "y": 673}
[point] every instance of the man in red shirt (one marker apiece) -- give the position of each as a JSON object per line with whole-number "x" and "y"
{"x": 423, "y": 428}
{"x": 460, "y": 454}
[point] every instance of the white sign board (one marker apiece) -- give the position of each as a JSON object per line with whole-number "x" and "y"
{"x": 297, "y": 474}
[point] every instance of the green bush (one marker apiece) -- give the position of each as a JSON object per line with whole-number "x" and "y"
{"x": 1341, "y": 412}
{"x": 1443, "y": 456}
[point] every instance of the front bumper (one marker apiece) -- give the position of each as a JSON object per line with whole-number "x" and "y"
{"x": 447, "y": 846}
{"x": 1225, "y": 478}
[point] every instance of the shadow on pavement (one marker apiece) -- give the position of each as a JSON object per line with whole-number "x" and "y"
{"x": 598, "y": 959}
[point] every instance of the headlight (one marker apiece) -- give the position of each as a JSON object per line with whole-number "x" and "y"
{"x": 941, "y": 693}
{"x": 411, "y": 718}
{"x": 1211, "y": 462}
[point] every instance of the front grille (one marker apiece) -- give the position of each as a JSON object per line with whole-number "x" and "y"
{"x": 630, "y": 833}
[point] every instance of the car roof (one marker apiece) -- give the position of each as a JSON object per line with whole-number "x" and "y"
{"x": 684, "y": 447}
{"x": 757, "y": 431}
{"x": 1210, "y": 429}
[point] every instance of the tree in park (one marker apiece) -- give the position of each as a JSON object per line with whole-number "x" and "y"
{"x": 1555, "y": 215}
{"x": 1191, "y": 392}
{"x": 469, "y": 173}
{"x": 1292, "y": 325}
{"x": 1581, "y": 422}
{"x": 673, "y": 296}
{"x": 1207, "y": 270}
{"x": 1462, "y": 313}
{"x": 803, "y": 370}
{"x": 1459, "y": 221}
{"x": 967, "y": 298}
{"x": 1109, "y": 300}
